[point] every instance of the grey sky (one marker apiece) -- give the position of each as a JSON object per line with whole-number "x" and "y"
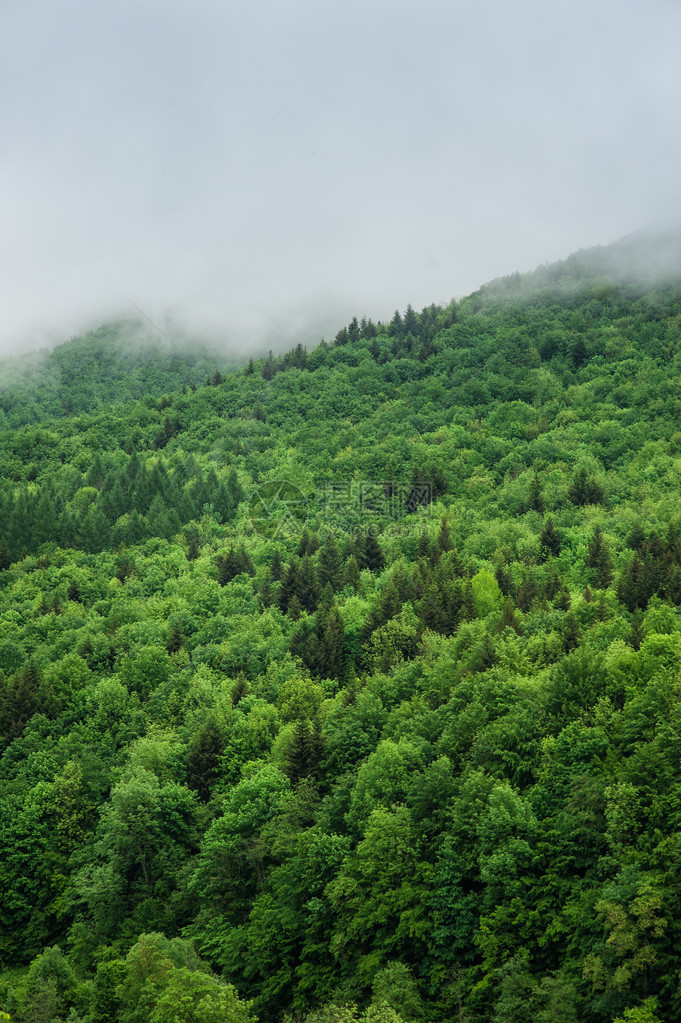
{"x": 277, "y": 167}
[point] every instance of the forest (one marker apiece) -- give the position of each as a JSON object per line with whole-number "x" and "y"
{"x": 343, "y": 685}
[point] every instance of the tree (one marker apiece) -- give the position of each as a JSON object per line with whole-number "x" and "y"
{"x": 585, "y": 489}
{"x": 535, "y": 501}
{"x": 203, "y": 758}
{"x": 486, "y": 593}
{"x": 598, "y": 559}
{"x": 330, "y": 563}
{"x": 302, "y": 757}
{"x": 369, "y": 553}
{"x": 549, "y": 539}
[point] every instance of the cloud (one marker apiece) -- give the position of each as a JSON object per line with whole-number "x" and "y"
{"x": 271, "y": 170}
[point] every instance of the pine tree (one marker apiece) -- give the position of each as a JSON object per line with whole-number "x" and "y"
{"x": 19, "y": 528}
{"x": 331, "y": 641}
{"x": 21, "y": 700}
{"x": 5, "y": 560}
{"x": 410, "y": 323}
{"x": 551, "y": 583}
{"x": 636, "y": 538}
{"x": 304, "y": 752}
{"x": 307, "y": 586}
{"x": 504, "y": 580}
{"x": 288, "y": 584}
{"x": 535, "y": 501}
{"x": 423, "y": 546}
{"x": 95, "y": 474}
{"x": 598, "y": 559}
{"x": 276, "y": 568}
{"x": 229, "y": 566}
{"x": 351, "y": 574}
{"x": 570, "y": 632}
{"x": 269, "y": 369}
{"x": 353, "y": 330}
{"x": 370, "y": 553}
{"x": 266, "y": 594}
{"x": 444, "y": 537}
{"x": 203, "y": 758}
{"x": 584, "y": 489}
{"x": 528, "y": 592}
{"x": 550, "y": 540}
{"x": 396, "y": 327}
{"x": 175, "y": 639}
{"x": 192, "y": 538}
{"x": 308, "y": 544}
{"x": 330, "y": 563}
{"x": 509, "y": 619}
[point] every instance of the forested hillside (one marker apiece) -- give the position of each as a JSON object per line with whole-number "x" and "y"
{"x": 347, "y": 686}
{"x": 117, "y": 363}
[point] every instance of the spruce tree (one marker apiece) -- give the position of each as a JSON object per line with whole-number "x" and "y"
{"x": 330, "y": 563}
{"x": 371, "y": 555}
{"x": 304, "y": 751}
{"x": 192, "y": 537}
{"x": 276, "y": 567}
{"x": 444, "y": 537}
{"x": 175, "y": 639}
{"x": 229, "y": 566}
{"x": 535, "y": 501}
{"x": 598, "y": 559}
{"x": 549, "y": 540}
{"x": 351, "y": 574}
{"x": 203, "y": 758}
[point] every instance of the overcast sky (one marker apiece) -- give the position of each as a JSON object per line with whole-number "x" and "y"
{"x": 276, "y": 167}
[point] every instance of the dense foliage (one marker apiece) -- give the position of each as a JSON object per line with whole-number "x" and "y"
{"x": 347, "y": 686}
{"x": 112, "y": 365}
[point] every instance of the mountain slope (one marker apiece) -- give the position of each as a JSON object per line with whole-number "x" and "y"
{"x": 117, "y": 363}
{"x": 353, "y": 677}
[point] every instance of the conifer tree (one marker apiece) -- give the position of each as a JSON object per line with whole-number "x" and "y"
{"x": 535, "y": 501}
{"x": 203, "y": 758}
{"x": 304, "y": 753}
{"x": 192, "y": 538}
{"x": 444, "y": 537}
{"x": 330, "y": 563}
{"x": 370, "y": 554}
{"x": 276, "y": 567}
{"x": 549, "y": 540}
{"x": 598, "y": 559}
{"x": 229, "y": 566}
{"x": 175, "y": 639}
{"x": 351, "y": 574}
{"x": 307, "y": 586}
{"x": 5, "y": 560}
{"x": 423, "y": 547}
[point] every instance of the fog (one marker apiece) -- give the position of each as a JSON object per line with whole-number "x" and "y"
{"x": 262, "y": 173}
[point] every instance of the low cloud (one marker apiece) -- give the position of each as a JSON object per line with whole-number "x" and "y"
{"x": 262, "y": 174}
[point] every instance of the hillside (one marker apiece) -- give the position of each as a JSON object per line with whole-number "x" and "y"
{"x": 347, "y": 685}
{"x": 117, "y": 363}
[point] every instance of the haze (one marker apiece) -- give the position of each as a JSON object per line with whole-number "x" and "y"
{"x": 262, "y": 173}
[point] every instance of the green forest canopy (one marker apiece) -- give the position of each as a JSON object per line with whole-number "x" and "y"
{"x": 345, "y": 686}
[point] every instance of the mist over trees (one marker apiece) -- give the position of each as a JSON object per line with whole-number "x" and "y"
{"x": 344, "y": 686}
